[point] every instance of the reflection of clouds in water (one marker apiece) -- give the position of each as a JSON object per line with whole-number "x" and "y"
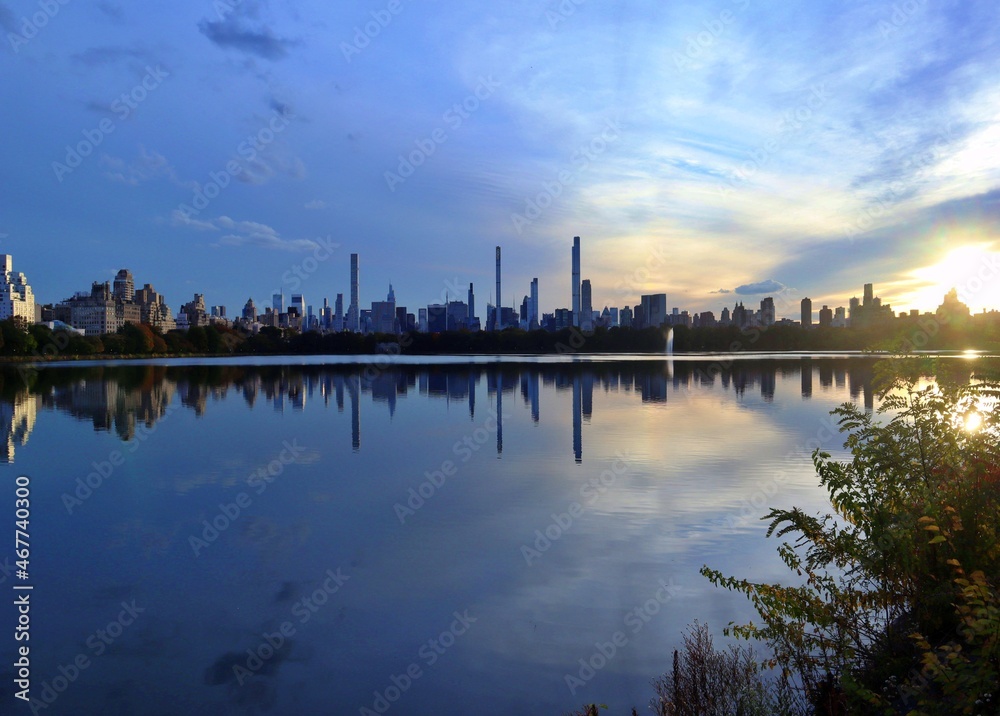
{"x": 150, "y": 540}
{"x": 266, "y": 535}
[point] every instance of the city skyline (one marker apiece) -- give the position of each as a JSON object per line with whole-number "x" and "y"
{"x": 247, "y": 136}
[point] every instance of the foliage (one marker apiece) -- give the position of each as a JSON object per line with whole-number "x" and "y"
{"x": 707, "y": 682}
{"x": 897, "y": 605}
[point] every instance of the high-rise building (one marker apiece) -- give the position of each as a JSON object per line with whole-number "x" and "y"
{"x": 353, "y": 311}
{"x": 472, "y": 305}
{"x": 854, "y": 312}
{"x": 437, "y": 318}
{"x": 625, "y": 317}
{"x": 16, "y": 297}
{"x": 586, "y": 307}
{"x": 576, "y": 281}
{"x": 869, "y": 295}
{"x": 807, "y": 312}
{"x": 533, "y": 306}
{"x": 654, "y": 310}
{"x": 767, "y": 312}
{"x": 497, "y": 323}
{"x": 338, "y": 313}
{"x": 249, "y": 311}
{"x": 124, "y": 285}
{"x": 299, "y": 304}
{"x": 826, "y": 317}
{"x": 278, "y": 303}
{"x": 840, "y": 317}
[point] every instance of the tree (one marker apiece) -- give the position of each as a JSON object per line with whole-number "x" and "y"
{"x": 16, "y": 340}
{"x": 899, "y": 602}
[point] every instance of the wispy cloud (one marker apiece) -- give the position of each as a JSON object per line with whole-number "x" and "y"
{"x": 242, "y": 30}
{"x": 754, "y": 289}
{"x": 243, "y": 233}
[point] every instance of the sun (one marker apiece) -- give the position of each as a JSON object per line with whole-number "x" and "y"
{"x": 973, "y": 270}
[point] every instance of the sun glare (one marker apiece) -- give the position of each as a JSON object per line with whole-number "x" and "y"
{"x": 973, "y": 270}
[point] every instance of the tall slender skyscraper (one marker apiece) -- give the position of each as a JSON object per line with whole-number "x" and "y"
{"x": 533, "y": 306}
{"x": 353, "y": 311}
{"x": 497, "y": 325}
{"x": 576, "y": 281}
{"x": 472, "y": 304}
{"x": 807, "y": 313}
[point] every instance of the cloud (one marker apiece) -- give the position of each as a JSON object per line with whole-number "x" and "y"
{"x": 147, "y": 166}
{"x": 243, "y": 233}
{"x": 112, "y": 10}
{"x": 316, "y": 204}
{"x": 722, "y": 290}
{"x": 234, "y": 31}
{"x": 179, "y": 218}
{"x": 110, "y": 54}
{"x": 753, "y": 289}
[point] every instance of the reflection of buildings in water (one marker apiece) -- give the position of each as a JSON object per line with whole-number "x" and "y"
{"x": 354, "y": 391}
{"x": 117, "y": 404}
{"x": 529, "y": 392}
{"x": 17, "y": 420}
{"x": 577, "y": 418}
{"x": 768, "y": 380}
{"x": 119, "y": 398}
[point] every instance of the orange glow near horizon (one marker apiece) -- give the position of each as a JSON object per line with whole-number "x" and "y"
{"x": 973, "y": 270}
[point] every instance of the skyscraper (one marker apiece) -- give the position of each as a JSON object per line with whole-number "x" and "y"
{"x": 533, "y": 306}
{"x": 807, "y": 310}
{"x": 338, "y": 313}
{"x": 767, "y": 312}
{"x": 124, "y": 286}
{"x": 472, "y": 304}
{"x": 869, "y": 295}
{"x": 586, "y": 307}
{"x": 353, "y": 311}
{"x": 278, "y": 303}
{"x": 497, "y": 323}
{"x": 16, "y": 297}
{"x": 576, "y": 281}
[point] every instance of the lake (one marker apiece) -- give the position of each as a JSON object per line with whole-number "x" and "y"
{"x": 489, "y": 537}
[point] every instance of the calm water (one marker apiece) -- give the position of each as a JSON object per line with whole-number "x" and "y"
{"x": 456, "y": 538}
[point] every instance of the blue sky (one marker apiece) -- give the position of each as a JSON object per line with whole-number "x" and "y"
{"x": 716, "y": 151}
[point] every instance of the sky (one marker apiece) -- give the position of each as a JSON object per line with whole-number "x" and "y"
{"x": 715, "y": 151}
